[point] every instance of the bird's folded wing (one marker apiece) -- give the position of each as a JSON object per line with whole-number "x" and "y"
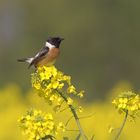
{"x": 43, "y": 52}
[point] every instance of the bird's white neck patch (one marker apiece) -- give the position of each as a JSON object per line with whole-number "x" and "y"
{"x": 49, "y": 45}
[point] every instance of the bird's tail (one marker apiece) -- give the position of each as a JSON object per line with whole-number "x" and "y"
{"x": 28, "y": 60}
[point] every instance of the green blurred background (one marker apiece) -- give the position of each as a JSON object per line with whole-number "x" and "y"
{"x": 101, "y": 47}
{"x": 101, "y": 52}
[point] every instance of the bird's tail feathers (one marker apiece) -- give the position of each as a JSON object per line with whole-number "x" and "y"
{"x": 28, "y": 60}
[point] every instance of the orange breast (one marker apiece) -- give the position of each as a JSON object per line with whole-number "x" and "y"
{"x": 50, "y": 58}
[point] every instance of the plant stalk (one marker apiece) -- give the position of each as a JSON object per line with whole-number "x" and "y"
{"x": 122, "y": 126}
{"x": 74, "y": 115}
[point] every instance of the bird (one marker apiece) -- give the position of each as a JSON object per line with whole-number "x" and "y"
{"x": 47, "y": 55}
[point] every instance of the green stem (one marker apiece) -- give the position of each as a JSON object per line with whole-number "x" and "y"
{"x": 122, "y": 126}
{"x": 74, "y": 115}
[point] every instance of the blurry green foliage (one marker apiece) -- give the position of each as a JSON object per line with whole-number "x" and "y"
{"x": 101, "y": 44}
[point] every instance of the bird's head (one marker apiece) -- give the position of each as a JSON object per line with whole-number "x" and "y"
{"x": 55, "y": 41}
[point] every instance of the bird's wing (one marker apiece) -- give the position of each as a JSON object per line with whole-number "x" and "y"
{"x": 43, "y": 52}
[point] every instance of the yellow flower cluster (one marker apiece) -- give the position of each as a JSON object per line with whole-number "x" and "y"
{"x": 38, "y": 125}
{"x": 50, "y": 82}
{"x": 128, "y": 102}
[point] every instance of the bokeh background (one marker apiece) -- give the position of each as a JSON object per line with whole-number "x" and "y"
{"x": 100, "y": 51}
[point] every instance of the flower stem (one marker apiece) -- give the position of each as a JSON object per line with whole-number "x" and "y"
{"x": 122, "y": 126}
{"x": 74, "y": 115}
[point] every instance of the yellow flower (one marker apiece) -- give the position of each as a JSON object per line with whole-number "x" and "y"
{"x": 123, "y": 100}
{"x": 80, "y": 109}
{"x": 37, "y": 86}
{"x": 55, "y": 84}
{"x": 69, "y": 101}
{"x": 38, "y": 125}
{"x": 61, "y": 85}
{"x": 50, "y": 82}
{"x": 71, "y": 89}
{"x": 110, "y": 129}
{"x": 127, "y": 101}
{"x": 61, "y": 126}
{"x": 81, "y": 94}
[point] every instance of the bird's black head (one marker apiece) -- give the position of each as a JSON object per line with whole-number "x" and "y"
{"x": 55, "y": 41}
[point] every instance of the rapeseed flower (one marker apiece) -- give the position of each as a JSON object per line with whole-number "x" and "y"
{"x": 50, "y": 82}
{"x": 38, "y": 125}
{"x": 128, "y": 102}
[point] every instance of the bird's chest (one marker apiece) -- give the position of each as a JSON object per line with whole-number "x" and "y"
{"x": 50, "y": 58}
{"x": 53, "y": 53}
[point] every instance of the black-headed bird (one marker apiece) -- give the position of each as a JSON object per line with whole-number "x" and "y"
{"x": 47, "y": 55}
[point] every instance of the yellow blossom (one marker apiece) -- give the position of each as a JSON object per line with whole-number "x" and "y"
{"x": 71, "y": 89}
{"x": 80, "y": 109}
{"x": 49, "y": 82}
{"x": 110, "y": 129}
{"x": 38, "y": 125}
{"x": 127, "y": 102}
{"x": 69, "y": 101}
{"x": 81, "y": 94}
{"x": 61, "y": 126}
